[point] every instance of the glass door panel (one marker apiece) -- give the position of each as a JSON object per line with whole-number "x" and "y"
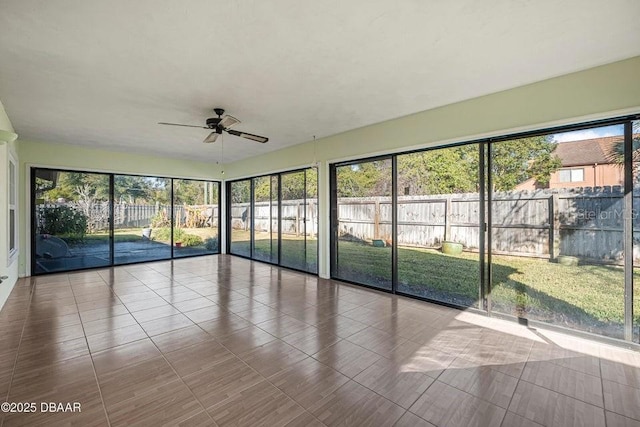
{"x": 71, "y": 220}
{"x": 557, "y": 229}
{"x": 196, "y": 217}
{"x": 439, "y": 225}
{"x": 240, "y": 218}
{"x": 142, "y": 219}
{"x": 292, "y": 232}
{"x": 364, "y": 215}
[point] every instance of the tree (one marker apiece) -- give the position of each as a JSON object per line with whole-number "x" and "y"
{"x": 515, "y": 161}
{"x": 365, "y": 179}
{"x": 441, "y": 171}
{"x": 616, "y": 151}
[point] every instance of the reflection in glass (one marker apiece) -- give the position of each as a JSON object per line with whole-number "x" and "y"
{"x": 265, "y": 248}
{"x": 439, "y": 224}
{"x": 71, "y": 220}
{"x": 292, "y": 233}
{"x": 364, "y": 223}
{"x": 557, "y": 229}
{"x": 195, "y": 217}
{"x": 311, "y": 221}
{"x": 240, "y": 218}
{"x": 141, "y": 219}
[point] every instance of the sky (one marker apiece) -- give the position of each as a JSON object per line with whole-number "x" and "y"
{"x": 589, "y": 133}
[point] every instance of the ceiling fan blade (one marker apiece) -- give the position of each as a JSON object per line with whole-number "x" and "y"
{"x": 211, "y": 138}
{"x": 228, "y": 121}
{"x": 179, "y": 124}
{"x": 250, "y": 136}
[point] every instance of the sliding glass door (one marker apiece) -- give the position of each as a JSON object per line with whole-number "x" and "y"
{"x": 71, "y": 220}
{"x": 240, "y": 216}
{"x": 540, "y": 227}
{"x": 265, "y": 243}
{"x": 556, "y": 233}
{"x": 274, "y": 218}
{"x": 363, "y": 228}
{"x": 438, "y": 212}
{"x": 142, "y": 219}
{"x": 195, "y": 205}
{"x": 84, "y": 220}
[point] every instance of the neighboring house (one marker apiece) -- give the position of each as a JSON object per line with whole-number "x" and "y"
{"x": 585, "y": 163}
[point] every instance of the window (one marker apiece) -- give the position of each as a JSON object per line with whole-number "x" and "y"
{"x": 13, "y": 191}
{"x": 86, "y": 220}
{"x": 463, "y": 225}
{"x": 572, "y": 175}
{"x": 274, "y": 218}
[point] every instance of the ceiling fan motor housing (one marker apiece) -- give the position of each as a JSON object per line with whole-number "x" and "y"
{"x": 212, "y": 123}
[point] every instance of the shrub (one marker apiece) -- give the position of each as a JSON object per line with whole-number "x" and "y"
{"x": 164, "y": 234}
{"x": 190, "y": 240}
{"x": 211, "y": 244}
{"x": 63, "y": 221}
{"x": 161, "y": 219}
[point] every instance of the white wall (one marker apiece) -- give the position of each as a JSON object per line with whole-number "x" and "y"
{"x": 8, "y": 267}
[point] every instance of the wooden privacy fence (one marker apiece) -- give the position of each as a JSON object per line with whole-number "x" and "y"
{"x": 582, "y": 222}
{"x": 139, "y": 216}
{"x": 298, "y": 218}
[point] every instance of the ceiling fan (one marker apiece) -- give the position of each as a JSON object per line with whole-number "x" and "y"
{"x": 219, "y": 124}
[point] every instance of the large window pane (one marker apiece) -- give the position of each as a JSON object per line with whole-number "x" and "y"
{"x": 557, "y": 236}
{"x": 240, "y": 218}
{"x": 142, "y": 219}
{"x": 364, "y": 214}
{"x": 196, "y": 217}
{"x": 438, "y": 225}
{"x": 71, "y": 220}
{"x": 292, "y": 234}
{"x": 311, "y": 220}
{"x": 265, "y": 247}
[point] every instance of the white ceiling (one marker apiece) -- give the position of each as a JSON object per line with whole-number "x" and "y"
{"x": 102, "y": 73}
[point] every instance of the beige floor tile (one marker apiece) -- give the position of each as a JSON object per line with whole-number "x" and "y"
{"x": 412, "y": 420}
{"x": 175, "y": 340}
{"x": 347, "y": 358}
{"x": 616, "y": 420}
{"x": 198, "y": 357}
{"x": 125, "y": 355}
{"x": 259, "y": 405}
{"x": 565, "y": 381}
{"x": 444, "y": 405}
{"x": 392, "y": 380}
{"x": 237, "y": 341}
{"x": 272, "y": 357}
{"x": 221, "y": 381}
{"x": 550, "y": 408}
{"x": 355, "y": 405}
{"x": 482, "y": 382}
{"x": 622, "y": 399}
{"x": 115, "y": 338}
{"x": 308, "y": 381}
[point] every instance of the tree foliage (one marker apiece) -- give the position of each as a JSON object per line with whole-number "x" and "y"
{"x": 518, "y": 160}
{"x": 132, "y": 189}
{"x": 452, "y": 169}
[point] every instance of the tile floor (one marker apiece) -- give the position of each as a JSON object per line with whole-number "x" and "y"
{"x": 223, "y": 341}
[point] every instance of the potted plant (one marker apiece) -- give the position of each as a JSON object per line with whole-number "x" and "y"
{"x": 451, "y": 248}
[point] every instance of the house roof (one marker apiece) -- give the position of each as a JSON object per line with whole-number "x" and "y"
{"x": 586, "y": 151}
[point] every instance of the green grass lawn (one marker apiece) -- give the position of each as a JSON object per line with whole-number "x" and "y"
{"x": 293, "y": 249}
